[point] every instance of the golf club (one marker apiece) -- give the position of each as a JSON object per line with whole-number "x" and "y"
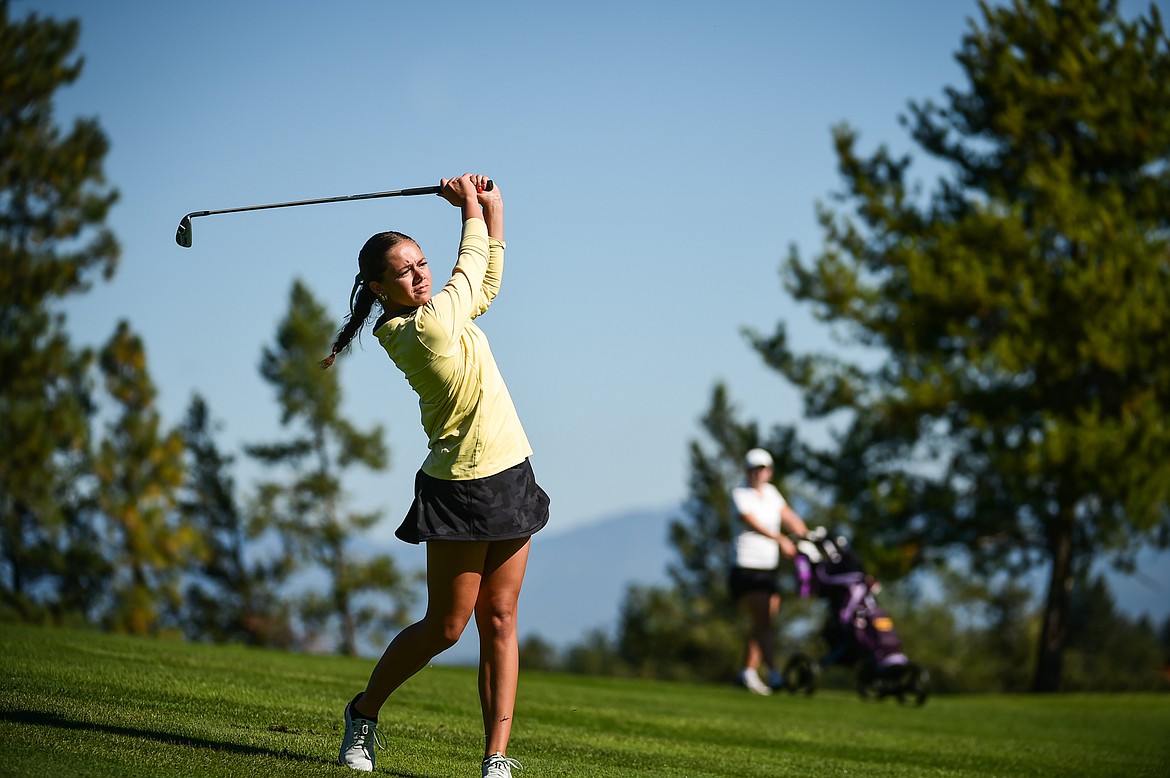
{"x": 183, "y": 234}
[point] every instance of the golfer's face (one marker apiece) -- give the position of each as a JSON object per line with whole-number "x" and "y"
{"x": 408, "y": 277}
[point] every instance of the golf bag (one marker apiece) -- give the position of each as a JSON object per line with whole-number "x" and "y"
{"x": 859, "y": 632}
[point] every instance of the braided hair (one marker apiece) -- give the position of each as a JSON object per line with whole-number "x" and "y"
{"x": 371, "y": 267}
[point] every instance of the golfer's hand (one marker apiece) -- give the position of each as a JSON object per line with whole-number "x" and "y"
{"x": 489, "y": 199}
{"x": 493, "y": 207}
{"x": 460, "y": 191}
{"x": 787, "y": 547}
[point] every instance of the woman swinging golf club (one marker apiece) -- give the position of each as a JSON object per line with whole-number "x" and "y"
{"x": 476, "y": 501}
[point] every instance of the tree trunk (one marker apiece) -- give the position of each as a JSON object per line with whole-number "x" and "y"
{"x": 341, "y": 600}
{"x": 1050, "y": 657}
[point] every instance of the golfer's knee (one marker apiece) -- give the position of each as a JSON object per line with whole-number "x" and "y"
{"x": 497, "y": 619}
{"x": 444, "y": 632}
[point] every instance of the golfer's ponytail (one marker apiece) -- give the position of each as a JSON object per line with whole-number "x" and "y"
{"x": 371, "y": 267}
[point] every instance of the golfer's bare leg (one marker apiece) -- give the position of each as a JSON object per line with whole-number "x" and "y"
{"x": 768, "y": 635}
{"x": 758, "y": 607}
{"x": 499, "y": 650}
{"x": 454, "y": 574}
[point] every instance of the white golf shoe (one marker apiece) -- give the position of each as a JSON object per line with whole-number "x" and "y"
{"x": 499, "y": 766}
{"x": 357, "y": 745}
{"x": 751, "y": 681}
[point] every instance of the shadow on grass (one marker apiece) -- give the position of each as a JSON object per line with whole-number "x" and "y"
{"x": 43, "y": 719}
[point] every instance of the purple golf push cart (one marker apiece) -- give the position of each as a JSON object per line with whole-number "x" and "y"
{"x": 859, "y": 632}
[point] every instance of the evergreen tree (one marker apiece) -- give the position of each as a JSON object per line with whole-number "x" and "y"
{"x": 1108, "y": 651}
{"x": 1018, "y": 309}
{"x": 536, "y": 653}
{"x": 53, "y": 206}
{"x": 231, "y": 597}
{"x": 1164, "y": 643}
{"x": 308, "y": 513}
{"x": 139, "y": 470}
{"x": 595, "y": 654}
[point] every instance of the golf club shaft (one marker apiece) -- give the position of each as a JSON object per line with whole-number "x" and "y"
{"x": 183, "y": 235}
{"x": 421, "y": 190}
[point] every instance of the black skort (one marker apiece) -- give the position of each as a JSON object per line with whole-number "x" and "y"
{"x": 746, "y": 579}
{"x": 503, "y": 506}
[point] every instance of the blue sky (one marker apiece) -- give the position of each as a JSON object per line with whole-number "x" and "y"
{"x": 656, "y": 160}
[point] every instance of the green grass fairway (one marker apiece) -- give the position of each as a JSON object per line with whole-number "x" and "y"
{"x": 76, "y": 703}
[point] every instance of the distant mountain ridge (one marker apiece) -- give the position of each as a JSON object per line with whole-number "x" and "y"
{"x": 577, "y": 579}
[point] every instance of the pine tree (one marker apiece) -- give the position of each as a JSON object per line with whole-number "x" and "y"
{"x": 1018, "y": 309}
{"x": 139, "y": 470}
{"x": 703, "y": 539}
{"x": 53, "y": 242}
{"x": 232, "y": 594}
{"x": 1107, "y": 650}
{"x": 308, "y": 512}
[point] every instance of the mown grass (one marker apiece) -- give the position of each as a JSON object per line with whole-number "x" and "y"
{"x": 77, "y": 703}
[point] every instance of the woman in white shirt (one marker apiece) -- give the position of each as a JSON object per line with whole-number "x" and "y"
{"x": 764, "y": 516}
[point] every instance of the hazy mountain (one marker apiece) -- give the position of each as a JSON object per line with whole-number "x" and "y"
{"x": 576, "y": 579}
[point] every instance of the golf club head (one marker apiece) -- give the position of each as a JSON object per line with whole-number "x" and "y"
{"x": 183, "y": 234}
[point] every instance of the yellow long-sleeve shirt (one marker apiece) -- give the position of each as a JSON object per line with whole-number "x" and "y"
{"x": 467, "y": 413}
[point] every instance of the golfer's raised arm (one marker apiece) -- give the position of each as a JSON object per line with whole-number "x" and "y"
{"x": 492, "y": 203}
{"x": 493, "y": 214}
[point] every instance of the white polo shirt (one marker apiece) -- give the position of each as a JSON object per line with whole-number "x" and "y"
{"x": 753, "y": 550}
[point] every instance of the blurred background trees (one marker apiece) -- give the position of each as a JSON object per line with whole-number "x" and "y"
{"x": 1011, "y": 390}
{"x": 999, "y": 401}
{"x": 137, "y": 473}
{"x": 232, "y": 595}
{"x": 53, "y": 244}
{"x": 108, "y": 517}
{"x": 306, "y": 512}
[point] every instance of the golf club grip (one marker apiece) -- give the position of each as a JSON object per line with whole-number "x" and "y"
{"x": 429, "y": 190}
{"x": 487, "y": 188}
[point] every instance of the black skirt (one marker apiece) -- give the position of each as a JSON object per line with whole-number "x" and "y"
{"x": 503, "y": 506}
{"x": 744, "y": 580}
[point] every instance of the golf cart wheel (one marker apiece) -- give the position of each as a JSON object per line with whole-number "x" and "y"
{"x": 917, "y": 685}
{"x": 800, "y": 674}
{"x": 867, "y": 683}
